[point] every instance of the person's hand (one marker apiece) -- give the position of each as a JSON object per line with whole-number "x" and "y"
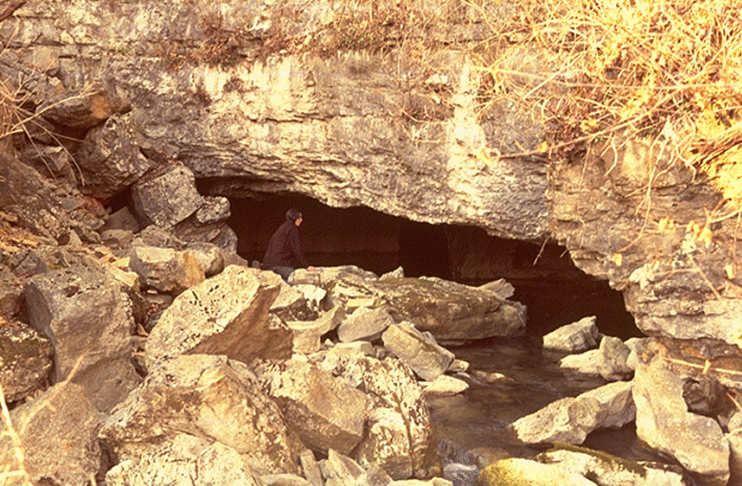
{"x": 312, "y": 269}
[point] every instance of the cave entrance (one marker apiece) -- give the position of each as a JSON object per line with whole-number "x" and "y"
{"x": 544, "y": 277}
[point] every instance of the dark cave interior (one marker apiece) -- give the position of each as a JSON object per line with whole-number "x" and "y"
{"x": 544, "y": 277}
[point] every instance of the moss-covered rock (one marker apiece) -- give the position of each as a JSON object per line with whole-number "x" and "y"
{"x": 524, "y": 472}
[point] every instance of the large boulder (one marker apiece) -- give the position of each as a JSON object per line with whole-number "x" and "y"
{"x": 519, "y": 471}
{"x": 87, "y": 315}
{"x": 609, "y": 360}
{"x": 364, "y": 324}
{"x": 573, "y": 338}
{"x": 448, "y": 310}
{"x": 168, "y": 198}
{"x": 58, "y": 435}
{"x": 326, "y": 412}
{"x": 665, "y": 424}
{"x": 109, "y": 159}
{"x": 226, "y": 314}
{"x": 209, "y": 397}
{"x": 396, "y": 403}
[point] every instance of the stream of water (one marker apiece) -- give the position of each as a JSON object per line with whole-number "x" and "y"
{"x": 477, "y": 419}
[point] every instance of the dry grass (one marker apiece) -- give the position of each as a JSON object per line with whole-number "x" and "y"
{"x": 13, "y": 471}
{"x": 635, "y": 65}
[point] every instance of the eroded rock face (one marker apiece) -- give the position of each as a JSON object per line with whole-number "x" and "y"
{"x": 637, "y": 219}
{"x": 333, "y": 122}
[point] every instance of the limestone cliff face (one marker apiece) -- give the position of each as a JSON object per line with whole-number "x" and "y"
{"x": 658, "y": 230}
{"x": 409, "y": 137}
{"x": 345, "y": 129}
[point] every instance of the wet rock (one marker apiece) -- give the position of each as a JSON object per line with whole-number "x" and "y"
{"x": 184, "y": 459}
{"x": 25, "y": 360}
{"x": 608, "y": 361}
{"x": 166, "y": 270}
{"x": 425, "y": 356}
{"x": 445, "y": 386}
{"x": 396, "y": 402}
{"x": 665, "y": 424}
{"x": 58, "y": 432}
{"x": 110, "y": 160}
{"x": 225, "y": 314}
{"x": 168, "y": 198}
{"x": 326, "y": 412}
{"x": 532, "y": 473}
{"x": 364, "y": 324}
{"x": 571, "y": 419}
{"x": 573, "y": 338}
{"x": 88, "y": 316}
{"x": 608, "y": 470}
{"x": 208, "y": 397}
{"x": 460, "y": 466}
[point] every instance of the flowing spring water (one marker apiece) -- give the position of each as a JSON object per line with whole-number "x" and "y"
{"x": 477, "y": 419}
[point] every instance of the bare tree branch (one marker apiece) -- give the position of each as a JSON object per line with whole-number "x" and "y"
{"x": 10, "y": 9}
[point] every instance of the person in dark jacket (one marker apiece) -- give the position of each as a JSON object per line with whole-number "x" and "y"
{"x": 284, "y": 248}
